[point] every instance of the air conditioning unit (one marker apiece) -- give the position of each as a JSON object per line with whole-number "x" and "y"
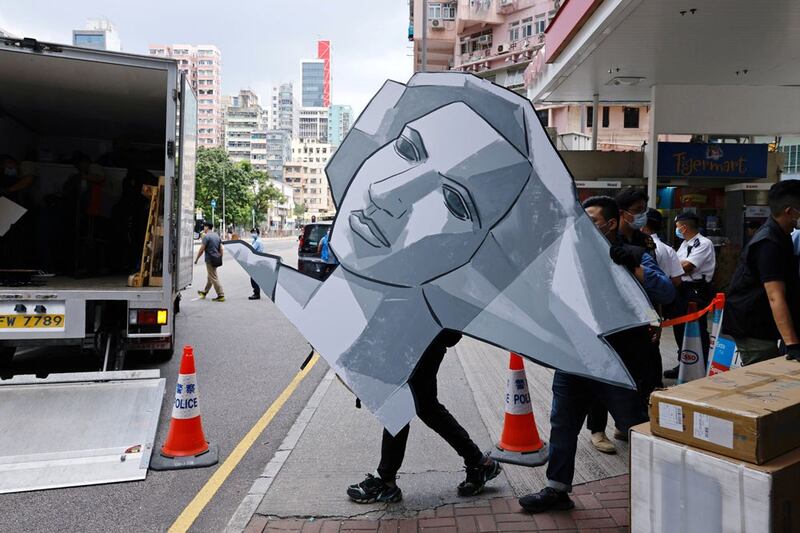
{"x": 437, "y": 24}
{"x": 502, "y": 48}
{"x": 504, "y": 3}
{"x": 485, "y": 39}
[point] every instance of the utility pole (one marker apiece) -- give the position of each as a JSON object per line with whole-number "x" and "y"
{"x": 424, "y": 66}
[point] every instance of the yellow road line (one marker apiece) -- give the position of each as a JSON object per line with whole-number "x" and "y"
{"x": 201, "y": 499}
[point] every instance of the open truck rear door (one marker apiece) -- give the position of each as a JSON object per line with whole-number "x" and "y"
{"x": 186, "y": 171}
{"x": 77, "y": 429}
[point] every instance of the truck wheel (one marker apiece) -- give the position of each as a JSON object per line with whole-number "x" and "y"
{"x": 6, "y": 355}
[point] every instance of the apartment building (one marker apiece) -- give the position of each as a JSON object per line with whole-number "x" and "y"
{"x": 340, "y": 119}
{"x": 278, "y": 151}
{"x": 502, "y": 41}
{"x": 245, "y": 140}
{"x": 313, "y": 124}
{"x": 281, "y": 113}
{"x": 306, "y": 174}
{"x": 202, "y": 65}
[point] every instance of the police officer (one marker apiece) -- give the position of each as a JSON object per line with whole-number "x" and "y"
{"x": 696, "y": 254}
{"x": 763, "y": 301}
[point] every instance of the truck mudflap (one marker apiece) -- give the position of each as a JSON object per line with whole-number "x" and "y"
{"x": 77, "y": 429}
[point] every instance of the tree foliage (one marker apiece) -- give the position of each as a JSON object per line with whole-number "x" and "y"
{"x": 246, "y": 189}
{"x": 300, "y": 210}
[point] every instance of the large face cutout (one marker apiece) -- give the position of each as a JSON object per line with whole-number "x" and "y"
{"x": 421, "y": 205}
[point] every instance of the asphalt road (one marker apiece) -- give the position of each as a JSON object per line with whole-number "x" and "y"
{"x": 246, "y": 353}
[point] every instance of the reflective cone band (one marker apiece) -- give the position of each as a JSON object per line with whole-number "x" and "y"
{"x": 186, "y": 445}
{"x": 520, "y": 442}
{"x": 692, "y": 365}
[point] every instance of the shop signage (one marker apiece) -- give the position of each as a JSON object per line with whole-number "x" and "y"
{"x": 701, "y": 160}
{"x": 598, "y": 184}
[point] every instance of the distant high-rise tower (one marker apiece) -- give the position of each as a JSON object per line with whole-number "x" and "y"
{"x": 99, "y": 34}
{"x": 324, "y": 53}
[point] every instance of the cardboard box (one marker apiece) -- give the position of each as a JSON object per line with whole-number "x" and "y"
{"x": 750, "y": 413}
{"x": 676, "y": 487}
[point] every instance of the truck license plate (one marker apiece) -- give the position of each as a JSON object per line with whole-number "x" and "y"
{"x": 31, "y": 321}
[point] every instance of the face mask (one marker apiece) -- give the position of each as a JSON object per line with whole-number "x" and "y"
{"x": 639, "y": 220}
{"x": 10, "y": 172}
{"x": 679, "y": 234}
{"x": 254, "y": 235}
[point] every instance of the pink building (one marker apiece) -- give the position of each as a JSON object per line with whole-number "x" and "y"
{"x": 202, "y": 65}
{"x": 503, "y": 41}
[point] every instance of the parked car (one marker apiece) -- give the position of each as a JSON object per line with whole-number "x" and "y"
{"x": 308, "y": 253}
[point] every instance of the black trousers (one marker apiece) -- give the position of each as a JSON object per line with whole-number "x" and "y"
{"x": 256, "y": 288}
{"x": 699, "y": 293}
{"x": 433, "y": 414}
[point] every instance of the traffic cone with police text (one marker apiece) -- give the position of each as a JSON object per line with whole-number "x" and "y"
{"x": 692, "y": 364}
{"x": 186, "y": 445}
{"x": 520, "y": 443}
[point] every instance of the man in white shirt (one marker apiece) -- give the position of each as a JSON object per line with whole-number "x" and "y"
{"x": 666, "y": 257}
{"x": 697, "y": 258}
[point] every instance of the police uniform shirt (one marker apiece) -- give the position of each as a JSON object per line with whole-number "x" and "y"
{"x": 667, "y": 259}
{"x": 699, "y": 251}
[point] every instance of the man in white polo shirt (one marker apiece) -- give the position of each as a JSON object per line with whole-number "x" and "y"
{"x": 696, "y": 254}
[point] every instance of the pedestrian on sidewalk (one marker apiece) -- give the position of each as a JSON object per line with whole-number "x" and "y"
{"x": 212, "y": 248}
{"x": 258, "y": 247}
{"x": 325, "y": 254}
{"x": 573, "y": 396}
{"x": 696, "y": 253}
{"x": 480, "y": 467}
{"x": 632, "y": 204}
{"x": 763, "y": 301}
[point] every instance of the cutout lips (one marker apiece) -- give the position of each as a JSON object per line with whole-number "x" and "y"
{"x": 365, "y": 227}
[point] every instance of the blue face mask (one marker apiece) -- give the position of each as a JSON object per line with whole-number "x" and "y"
{"x": 639, "y": 220}
{"x": 679, "y": 234}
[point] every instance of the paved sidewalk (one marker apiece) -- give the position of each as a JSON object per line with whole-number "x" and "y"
{"x": 599, "y": 506}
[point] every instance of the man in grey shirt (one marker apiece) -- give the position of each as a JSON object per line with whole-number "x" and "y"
{"x": 213, "y": 250}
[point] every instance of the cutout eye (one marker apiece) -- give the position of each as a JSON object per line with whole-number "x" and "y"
{"x": 455, "y": 203}
{"x": 406, "y": 149}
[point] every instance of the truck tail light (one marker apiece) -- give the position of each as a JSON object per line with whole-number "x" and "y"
{"x": 148, "y": 317}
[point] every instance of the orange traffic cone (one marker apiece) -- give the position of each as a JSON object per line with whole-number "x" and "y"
{"x": 186, "y": 445}
{"x": 520, "y": 443}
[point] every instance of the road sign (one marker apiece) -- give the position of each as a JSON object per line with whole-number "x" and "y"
{"x": 213, "y": 204}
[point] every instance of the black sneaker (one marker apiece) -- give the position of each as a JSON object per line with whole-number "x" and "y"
{"x": 672, "y": 373}
{"x": 374, "y": 489}
{"x": 477, "y": 476}
{"x": 254, "y": 297}
{"x": 547, "y": 499}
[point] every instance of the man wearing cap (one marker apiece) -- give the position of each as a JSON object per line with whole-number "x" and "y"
{"x": 763, "y": 302}
{"x": 696, "y": 254}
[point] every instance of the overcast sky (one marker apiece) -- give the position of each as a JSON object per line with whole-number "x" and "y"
{"x": 262, "y": 41}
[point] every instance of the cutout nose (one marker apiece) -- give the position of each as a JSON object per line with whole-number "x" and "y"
{"x": 396, "y": 193}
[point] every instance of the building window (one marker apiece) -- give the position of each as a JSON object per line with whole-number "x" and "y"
{"x": 544, "y": 116}
{"x": 605, "y": 117}
{"x": 445, "y": 11}
{"x": 631, "y": 117}
{"x": 526, "y": 28}
{"x": 791, "y": 164}
{"x": 589, "y": 116}
{"x": 541, "y": 24}
{"x": 513, "y": 31}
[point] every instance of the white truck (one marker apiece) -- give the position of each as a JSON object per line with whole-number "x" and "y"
{"x": 67, "y": 264}
{"x": 99, "y": 149}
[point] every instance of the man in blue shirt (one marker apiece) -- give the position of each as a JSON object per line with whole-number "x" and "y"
{"x": 258, "y": 247}
{"x": 573, "y": 396}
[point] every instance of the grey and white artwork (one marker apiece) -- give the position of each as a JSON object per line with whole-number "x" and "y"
{"x": 455, "y": 211}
